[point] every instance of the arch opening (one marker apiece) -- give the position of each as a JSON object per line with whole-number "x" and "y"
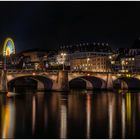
{"x": 126, "y": 83}
{"x": 77, "y": 83}
{"x": 33, "y": 83}
{"x": 22, "y": 84}
{"x": 87, "y": 82}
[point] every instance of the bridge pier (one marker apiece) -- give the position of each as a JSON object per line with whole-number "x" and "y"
{"x": 124, "y": 85}
{"x": 109, "y": 82}
{"x": 3, "y": 82}
{"x": 62, "y": 83}
{"x": 40, "y": 85}
{"x": 89, "y": 86}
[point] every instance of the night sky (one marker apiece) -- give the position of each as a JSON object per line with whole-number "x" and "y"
{"x": 48, "y": 25}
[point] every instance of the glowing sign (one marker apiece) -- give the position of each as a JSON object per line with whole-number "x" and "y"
{"x": 9, "y": 47}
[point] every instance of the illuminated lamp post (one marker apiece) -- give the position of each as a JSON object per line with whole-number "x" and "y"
{"x": 122, "y": 63}
{"x": 109, "y": 64}
{"x": 87, "y": 62}
{"x": 63, "y": 55}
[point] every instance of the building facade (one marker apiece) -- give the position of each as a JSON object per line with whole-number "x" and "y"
{"x": 89, "y": 61}
{"x": 85, "y": 56}
{"x": 32, "y": 59}
{"x": 126, "y": 59}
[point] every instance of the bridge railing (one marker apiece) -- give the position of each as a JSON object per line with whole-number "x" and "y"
{"x": 31, "y": 71}
{"x": 56, "y": 71}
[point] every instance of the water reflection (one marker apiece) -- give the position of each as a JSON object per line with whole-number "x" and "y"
{"x": 63, "y": 117}
{"x": 110, "y": 110}
{"x": 134, "y": 116}
{"x": 75, "y": 115}
{"x": 8, "y": 119}
{"x": 33, "y": 114}
{"x": 128, "y": 110}
{"x": 123, "y": 112}
{"x": 45, "y": 115}
{"x": 130, "y": 114}
{"x": 88, "y": 114}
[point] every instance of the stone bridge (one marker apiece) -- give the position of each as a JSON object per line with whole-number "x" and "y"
{"x": 62, "y": 80}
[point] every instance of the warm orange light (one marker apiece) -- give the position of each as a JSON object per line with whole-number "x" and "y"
{"x": 33, "y": 73}
{"x": 7, "y": 51}
{"x": 6, "y": 122}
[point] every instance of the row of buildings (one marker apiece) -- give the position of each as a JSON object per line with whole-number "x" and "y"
{"x": 96, "y": 57}
{"x": 100, "y": 57}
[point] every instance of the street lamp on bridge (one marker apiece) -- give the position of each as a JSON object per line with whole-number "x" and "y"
{"x": 63, "y": 55}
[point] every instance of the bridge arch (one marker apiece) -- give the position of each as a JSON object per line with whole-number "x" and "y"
{"x": 89, "y": 82}
{"x": 80, "y": 82}
{"x": 42, "y": 83}
{"x": 126, "y": 83}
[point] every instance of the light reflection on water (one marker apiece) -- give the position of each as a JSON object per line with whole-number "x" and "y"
{"x": 8, "y": 119}
{"x": 33, "y": 114}
{"x": 110, "y": 115}
{"x": 77, "y": 114}
{"x": 88, "y": 113}
{"x": 123, "y": 112}
{"x": 63, "y": 118}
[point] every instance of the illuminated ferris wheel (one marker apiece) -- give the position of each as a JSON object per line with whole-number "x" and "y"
{"x": 8, "y": 47}
{"x": 8, "y": 50}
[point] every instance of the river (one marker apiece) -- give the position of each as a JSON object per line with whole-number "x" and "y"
{"x": 75, "y": 114}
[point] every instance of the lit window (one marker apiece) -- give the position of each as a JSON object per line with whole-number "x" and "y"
{"x": 112, "y": 62}
{"x": 123, "y": 62}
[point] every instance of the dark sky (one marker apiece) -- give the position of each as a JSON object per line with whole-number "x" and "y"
{"x": 52, "y": 24}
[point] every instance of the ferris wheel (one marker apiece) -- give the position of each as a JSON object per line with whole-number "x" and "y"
{"x": 8, "y": 47}
{"x": 8, "y": 50}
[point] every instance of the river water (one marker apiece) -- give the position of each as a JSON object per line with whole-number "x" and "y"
{"x": 76, "y": 114}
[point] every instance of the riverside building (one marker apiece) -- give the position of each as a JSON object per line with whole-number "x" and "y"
{"x": 88, "y": 57}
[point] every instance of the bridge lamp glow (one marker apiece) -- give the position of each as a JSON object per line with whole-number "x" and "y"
{"x": 128, "y": 75}
{"x": 126, "y": 70}
{"x": 122, "y": 62}
{"x": 112, "y": 62}
{"x": 33, "y": 73}
{"x": 110, "y": 57}
{"x": 63, "y": 55}
{"x": 126, "y": 63}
